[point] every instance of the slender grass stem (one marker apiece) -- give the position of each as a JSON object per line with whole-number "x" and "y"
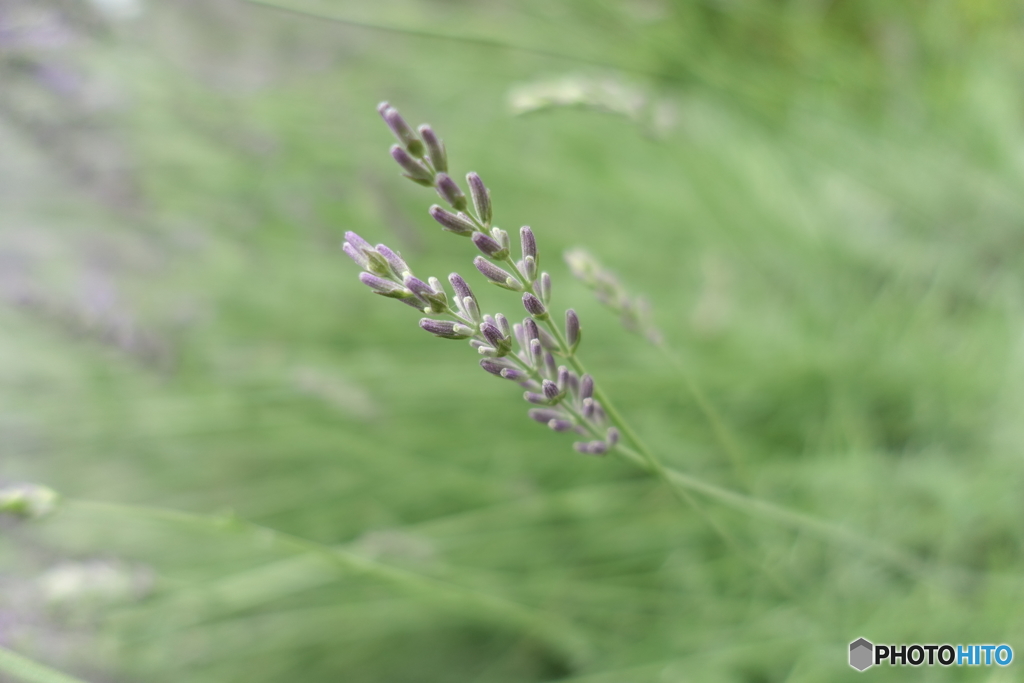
{"x": 558, "y": 634}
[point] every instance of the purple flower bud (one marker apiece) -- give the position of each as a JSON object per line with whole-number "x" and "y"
{"x": 536, "y": 353}
{"x": 481, "y": 198}
{"x": 560, "y": 425}
{"x": 547, "y": 340}
{"x": 544, "y": 415}
{"x": 563, "y": 377}
{"x": 550, "y": 389}
{"x": 574, "y": 383}
{"x": 572, "y": 330}
{"x": 493, "y": 334}
{"x": 414, "y": 170}
{"x": 359, "y": 257}
{"x": 459, "y": 223}
{"x": 528, "y": 267}
{"x": 358, "y": 242}
{"x": 503, "y": 324}
{"x": 520, "y": 333}
{"x": 528, "y": 241}
{"x": 446, "y": 329}
{"x": 384, "y": 287}
{"x": 435, "y": 149}
{"x": 588, "y": 408}
{"x": 450, "y": 192}
{"x": 488, "y": 351}
{"x": 534, "y": 307}
{"x": 460, "y": 286}
{"x": 586, "y": 387}
{"x": 489, "y": 246}
{"x": 549, "y": 365}
{"x": 402, "y": 130}
{"x": 599, "y": 415}
{"x": 420, "y": 288}
{"x": 514, "y": 374}
{"x": 497, "y": 275}
{"x": 613, "y": 436}
{"x": 537, "y": 399}
{"x": 544, "y": 287}
{"x": 394, "y": 260}
{"x": 530, "y": 326}
{"x": 495, "y": 365}
{"x": 591, "y": 447}
{"x": 471, "y": 309}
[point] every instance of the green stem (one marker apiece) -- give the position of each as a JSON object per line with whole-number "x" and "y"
{"x": 560, "y": 635}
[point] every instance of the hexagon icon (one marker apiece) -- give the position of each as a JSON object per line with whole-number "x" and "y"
{"x": 860, "y": 654}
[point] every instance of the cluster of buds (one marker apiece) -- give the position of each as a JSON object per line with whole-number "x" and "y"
{"x": 635, "y": 312}
{"x": 525, "y": 352}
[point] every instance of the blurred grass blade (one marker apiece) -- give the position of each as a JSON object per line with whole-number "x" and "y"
{"x": 24, "y": 669}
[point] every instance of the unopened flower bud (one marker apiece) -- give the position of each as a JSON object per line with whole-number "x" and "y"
{"x": 384, "y": 287}
{"x": 460, "y": 286}
{"x": 591, "y": 447}
{"x": 563, "y": 377}
{"x": 446, "y": 329}
{"x": 572, "y": 330}
{"x": 544, "y": 415}
{"x": 549, "y": 365}
{"x": 435, "y": 149}
{"x": 459, "y": 223}
{"x": 503, "y": 325}
{"x": 497, "y": 275}
{"x": 489, "y": 246}
{"x": 544, "y": 288}
{"x": 394, "y": 260}
{"x": 548, "y": 341}
{"x": 536, "y": 353}
{"x": 586, "y": 387}
{"x": 560, "y": 425}
{"x": 613, "y": 436}
{"x": 359, "y": 257}
{"x": 450, "y": 192}
{"x": 402, "y": 130}
{"x": 536, "y": 399}
{"x": 481, "y": 198}
{"x": 358, "y": 242}
{"x": 514, "y": 374}
{"x": 531, "y": 329}
{"x": 495, "y": 337}
{"x": 495, "y": 365}
{"x": 528, "y": 241}
{"x": 534, "y": 306}
{"x": 551, "y": 390}
{"x": 414, "y": 170}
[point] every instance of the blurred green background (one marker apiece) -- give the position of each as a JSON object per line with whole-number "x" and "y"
{"x": 823, "y": 201}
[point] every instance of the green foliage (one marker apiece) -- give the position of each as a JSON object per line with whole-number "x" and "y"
{"x": 826, "y": 221}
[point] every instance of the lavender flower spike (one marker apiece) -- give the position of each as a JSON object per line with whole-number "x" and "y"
{"x": 401, "y": 129}
{"x": 446, "y": 329}
{"x": 534, "y": 307}
{"x": 459, "y": 223}
{"x": 572, "y": 330}
{"x": 497, "y": 275}
{"x": 414, "y": 170}
{"x": 450, "y": 192}
{"x": 481, "y": 198}
{"x": 435, "y": 149}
